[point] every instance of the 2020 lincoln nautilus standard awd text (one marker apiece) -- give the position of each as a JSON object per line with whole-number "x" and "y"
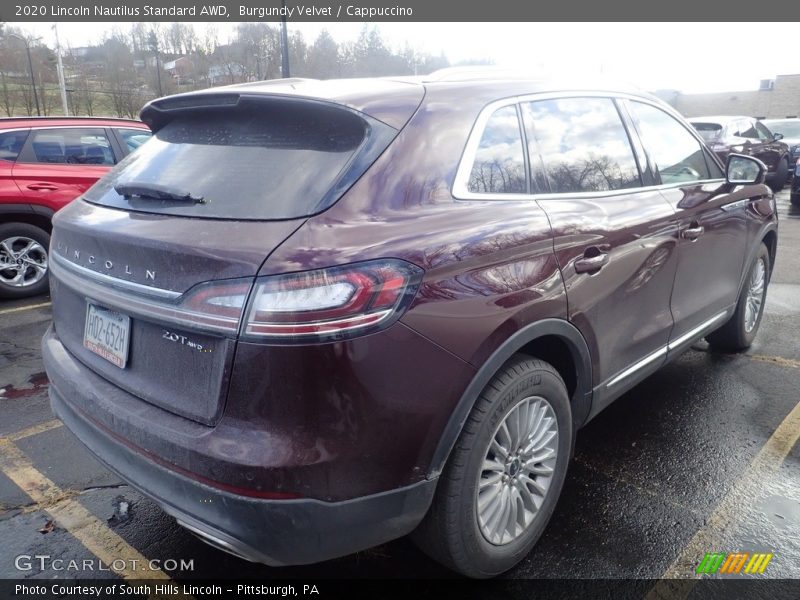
{"x": 308, "y": 317}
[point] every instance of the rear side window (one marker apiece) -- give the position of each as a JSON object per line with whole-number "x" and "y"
{"x": 133, "y": 138}
{"x": 708, "y": 131}
{"x": 746, "y": 129}
{"x": 583, "y": 144}
{"x": 244, "y": 164}
{"x": 11, "y": 143}
{"x": 764, "y": 134}
{"x": 677, "y": 154}
{"x": 69, "y": 146}
{"x": 499, "y": 166}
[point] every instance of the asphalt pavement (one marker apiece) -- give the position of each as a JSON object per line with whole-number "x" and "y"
{"x": 702, "y": 457}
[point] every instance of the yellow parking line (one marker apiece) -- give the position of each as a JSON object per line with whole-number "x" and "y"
{"x": 776, "y": 360}
{"x": 101, "y": 541}
{"x": 724, "y": 518}
{"x": 23, "y": 308}
{"x": 36, "y": 429}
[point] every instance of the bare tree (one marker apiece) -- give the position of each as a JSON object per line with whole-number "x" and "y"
{"x": 121, "y": 74}
{"x": 5, "y": 94}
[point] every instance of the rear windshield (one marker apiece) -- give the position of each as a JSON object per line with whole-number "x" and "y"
{"x": 253, "y": 164}
{"x": 708, "y": 131}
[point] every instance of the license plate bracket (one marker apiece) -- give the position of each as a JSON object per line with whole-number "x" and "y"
{"x": 107, "y": 334}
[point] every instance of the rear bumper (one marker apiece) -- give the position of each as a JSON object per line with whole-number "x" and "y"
{"x": 275, "y": 532}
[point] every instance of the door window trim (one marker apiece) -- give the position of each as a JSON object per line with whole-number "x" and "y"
{"x": 460, "y": 188}
{"x": 708, "y": 155}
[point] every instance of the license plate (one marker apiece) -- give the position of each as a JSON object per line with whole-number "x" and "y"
{"x": 107, "y": 334}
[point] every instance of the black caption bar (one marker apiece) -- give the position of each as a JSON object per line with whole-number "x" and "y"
{"x": 464, "y": 589}
{"x": 332, "y": 11}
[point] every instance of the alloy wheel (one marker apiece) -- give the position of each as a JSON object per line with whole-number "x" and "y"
{"x": 23, "y": 261}
{"x": 517, "y": 471}
{"x": 755, "y": 295}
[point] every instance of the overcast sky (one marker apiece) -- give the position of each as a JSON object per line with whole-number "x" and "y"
{"x": 692, "y": 57}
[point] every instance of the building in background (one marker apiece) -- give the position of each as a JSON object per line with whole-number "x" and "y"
{"x": 775, "y": 98}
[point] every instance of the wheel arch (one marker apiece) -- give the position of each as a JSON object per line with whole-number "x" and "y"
{"x": 770, "y": 239}
{"x": 38, "y": 216}
{"x": 556, "y": 341}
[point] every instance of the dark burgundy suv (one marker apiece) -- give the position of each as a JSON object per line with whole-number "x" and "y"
{"x": 746, "y": 135}
{"x": 309, "y": 317}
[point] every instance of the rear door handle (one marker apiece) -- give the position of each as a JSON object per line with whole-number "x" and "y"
{"x": 692, "y": 233}
{"x": 590, "y": 264}
{"x": 42, "y": 187}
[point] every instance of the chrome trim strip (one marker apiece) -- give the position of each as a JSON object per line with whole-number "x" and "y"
{"x": 383, "y": 314}
{"x": 128, "y": 286}
{"x": 13, "y": 129}
{"x": 636, "y": 366}
{"x": 152, "y": 309}
{"x": 695, "y": 333}
{"x": 690, "y": 335}
{"x": 127, "y": 125}
{"x": 460, "y": 189}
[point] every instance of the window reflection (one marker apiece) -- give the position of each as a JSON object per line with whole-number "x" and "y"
{"x": 583, "y": 144}
{"x": 499, "y": 166}
{"x": 678, "y": 156}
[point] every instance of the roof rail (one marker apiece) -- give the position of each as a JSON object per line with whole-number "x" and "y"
{"x": 70, "y": 118}
{"x": 263, "y": 82}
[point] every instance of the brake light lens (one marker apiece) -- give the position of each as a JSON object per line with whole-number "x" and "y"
{"x": 214, "y": 305}
{"x": 331, "y": 304}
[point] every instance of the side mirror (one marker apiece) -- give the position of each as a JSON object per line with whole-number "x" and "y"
{"x": 743, "y": 169}
{"x": 777, "y": 136}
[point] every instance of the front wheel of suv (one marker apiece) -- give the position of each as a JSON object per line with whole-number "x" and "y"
{"x": 505, "y": 473}
{"x": 778, "y": 181}
{"x": 740, "y": 330}
{"x": 23, "y": 260}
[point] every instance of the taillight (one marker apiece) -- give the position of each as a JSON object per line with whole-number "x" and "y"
{"x": 331, "y": 304}
{"x": 321, "y": 305}
{"x": 215, "y": 306}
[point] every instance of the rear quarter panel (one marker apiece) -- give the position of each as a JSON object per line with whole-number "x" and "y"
{"x": 489, "y": 265}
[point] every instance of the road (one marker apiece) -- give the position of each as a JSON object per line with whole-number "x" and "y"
{"x": 701, "y": 457}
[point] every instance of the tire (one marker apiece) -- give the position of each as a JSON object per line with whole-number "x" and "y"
{"x": 28, "y": 246}
{"x": 452, "y": 532}
{"x": 740, "y": 330}
{"x": 778, "y": 181}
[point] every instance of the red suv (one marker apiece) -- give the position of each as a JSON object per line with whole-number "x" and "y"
{"x": 46, "y": 163}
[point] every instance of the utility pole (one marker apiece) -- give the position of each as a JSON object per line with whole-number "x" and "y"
{"x": 30, "y": 67}
{"x": 153, "y": 40}
{"x": 61, "y": 83}
{"x": 284, "y": 43}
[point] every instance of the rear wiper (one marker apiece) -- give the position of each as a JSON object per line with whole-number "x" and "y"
{"x": 155, "y": 191}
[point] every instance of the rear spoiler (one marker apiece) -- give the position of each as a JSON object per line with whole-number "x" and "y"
{"x": 157, "y": 113}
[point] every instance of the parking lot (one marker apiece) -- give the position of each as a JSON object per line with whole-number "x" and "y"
{"x": 702, "y": 457}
